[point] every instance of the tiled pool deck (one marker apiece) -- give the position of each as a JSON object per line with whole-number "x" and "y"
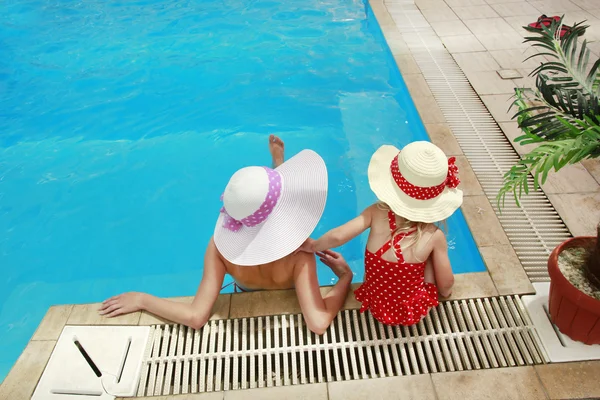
{"x": 483, "y": 36}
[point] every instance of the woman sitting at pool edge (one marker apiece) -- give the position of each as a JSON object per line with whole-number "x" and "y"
{"x": 267, "y": 215}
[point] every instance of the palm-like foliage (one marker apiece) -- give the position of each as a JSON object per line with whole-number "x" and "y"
{"x": 562, "y": 113}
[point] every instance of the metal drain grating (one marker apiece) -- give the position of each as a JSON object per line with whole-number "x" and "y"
{"x": 533, "y": 229}
{"x": 280, "y": 350}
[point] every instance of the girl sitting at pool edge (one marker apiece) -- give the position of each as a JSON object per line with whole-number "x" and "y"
{"x": 267, "y": 214}
{"x": 406, "y": 258}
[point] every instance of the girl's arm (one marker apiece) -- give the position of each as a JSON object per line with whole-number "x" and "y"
{"x": 194, "y": 315}
{"x": 444, "y": 279}
{"x": 342, "y": 234}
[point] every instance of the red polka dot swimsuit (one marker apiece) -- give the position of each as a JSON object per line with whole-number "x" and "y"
{"x": 395, "y": 292}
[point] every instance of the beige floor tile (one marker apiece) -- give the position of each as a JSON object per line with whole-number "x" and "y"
{"x": 406, "y": 64}
{"x": 474, "y": 284}
{"x": 515, "y": 58}
{"x": 53, "y": 323}
{"x": 593, "y": 167}
{"x": 482, "y": 221}
{"x": 573, "y": 16}
{"x": 220, "y": 310}
{"x": 297, "y": 392}
{"x": 571, "y": 380}
{"x": 586, "y": 4}
{"x": 430, "y": 4}
{"x": 561, "y": 6}
{"x": 595, "y": 12}
{"x": 272, "y": 302}
{"x": 462, "y": 43}
{"x": 465, "y": 3}
{"x": 579, "y": 211}
{"x": 502, "y": 41}
{"x": 196, "y": 396}
{"x": 87, "y": 314}
{"x": 475, "y": 12}
{"x": 24, "y": 375}
{"x": 512, "y": 131}
{"x": 417, "y": 387}
{"x": 503, "y": 1}
{"x": 489, "y": 82}
{"x": 570, "y": 179}
{"x": 468, "y": 181}
{"x": 442, "y": 13}
{"x": 480, "y": 61}
{"x": 429, "y": 110}
{"x": 488, "y": 26}
{"x": 450, "y": 28}
{"x": 498, "y": 106}
{"x": 514, "y": 9}
{"x": 506, "y": 270}
{"x": 417, "y": 86}
{"x": 495, "y": 384}
{"x": 441, "y": 136}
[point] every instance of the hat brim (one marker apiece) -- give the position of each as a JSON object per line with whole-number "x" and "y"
{"x": 385, "y": 188}
{"x": 292, "y": 221}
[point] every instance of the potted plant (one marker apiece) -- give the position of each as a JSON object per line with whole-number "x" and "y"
{"x": 562, "y": 115}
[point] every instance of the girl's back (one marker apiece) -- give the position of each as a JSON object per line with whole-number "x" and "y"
{"x": 415, "y": 248}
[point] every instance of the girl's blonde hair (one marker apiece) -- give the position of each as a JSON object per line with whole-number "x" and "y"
{"x": 405, "y": 226}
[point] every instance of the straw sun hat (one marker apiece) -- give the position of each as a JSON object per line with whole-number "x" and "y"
{"x": 268, "y": 213}
{"x": 418, "y": 183}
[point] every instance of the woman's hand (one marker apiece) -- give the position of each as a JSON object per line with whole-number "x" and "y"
{"x": 336, "y": 262}
{"x": 122, "y": 304}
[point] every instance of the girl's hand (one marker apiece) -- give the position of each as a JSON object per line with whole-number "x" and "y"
{"x": 336, "y": 262}
{"x": 308, "y": 246}
{"x": 122, "y": 304}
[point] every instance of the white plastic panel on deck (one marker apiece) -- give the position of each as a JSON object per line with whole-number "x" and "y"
{"x": 558, "y": 346}
{"x": 116, "y": 351}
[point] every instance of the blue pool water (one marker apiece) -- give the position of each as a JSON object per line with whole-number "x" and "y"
{"x": 121, "y": 121}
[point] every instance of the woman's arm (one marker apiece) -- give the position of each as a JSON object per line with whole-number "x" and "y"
{"x": 342, "y": 234}
{"x": 194, "y": 315}
{"x": 444, "y": 279}
{"x": 319, "y": 311}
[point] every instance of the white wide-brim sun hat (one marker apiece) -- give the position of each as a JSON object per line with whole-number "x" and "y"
{"x": 292, "y": 218}
{"x": 422, "y": 169}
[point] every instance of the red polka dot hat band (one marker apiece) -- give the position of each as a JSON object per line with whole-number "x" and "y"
{"x": 425, "y": 193}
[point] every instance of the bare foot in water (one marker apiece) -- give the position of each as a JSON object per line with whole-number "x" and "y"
{"x": 276, "y": 147}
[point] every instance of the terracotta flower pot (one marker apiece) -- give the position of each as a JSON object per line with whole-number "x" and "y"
{"x": 576, "y": 314}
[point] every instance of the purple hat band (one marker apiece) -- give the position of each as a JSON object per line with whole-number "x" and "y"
{"x": 263, "y": 211}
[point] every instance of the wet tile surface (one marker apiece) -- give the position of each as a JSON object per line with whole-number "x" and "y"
{"x": 87, "y": 314}
{"x": 418, "y": 387}
{"x": 476, "y": 284}
{"x": 482, "y": 221}
{"x": 53, "y": 323}
{"x": 571, "y": 380}
{"x": 506, "y": 270}
{"x": 441, "y": 136}
{"x": 416, "y": 85}
{"x": 495, "y": 384}
{"x": 428, "y": 109}
{"x": 468, "y": 180}
{"x": 272, "y": 302}
{"x": 25, "y": 374}
{"x": 579, "y": 211}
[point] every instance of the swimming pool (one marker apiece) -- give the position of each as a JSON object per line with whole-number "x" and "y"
{"x": 122, "y": 121}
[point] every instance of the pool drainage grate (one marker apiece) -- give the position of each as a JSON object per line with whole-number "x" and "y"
{"x": 280, "y": 350}
{"x": 533, "y": 229}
